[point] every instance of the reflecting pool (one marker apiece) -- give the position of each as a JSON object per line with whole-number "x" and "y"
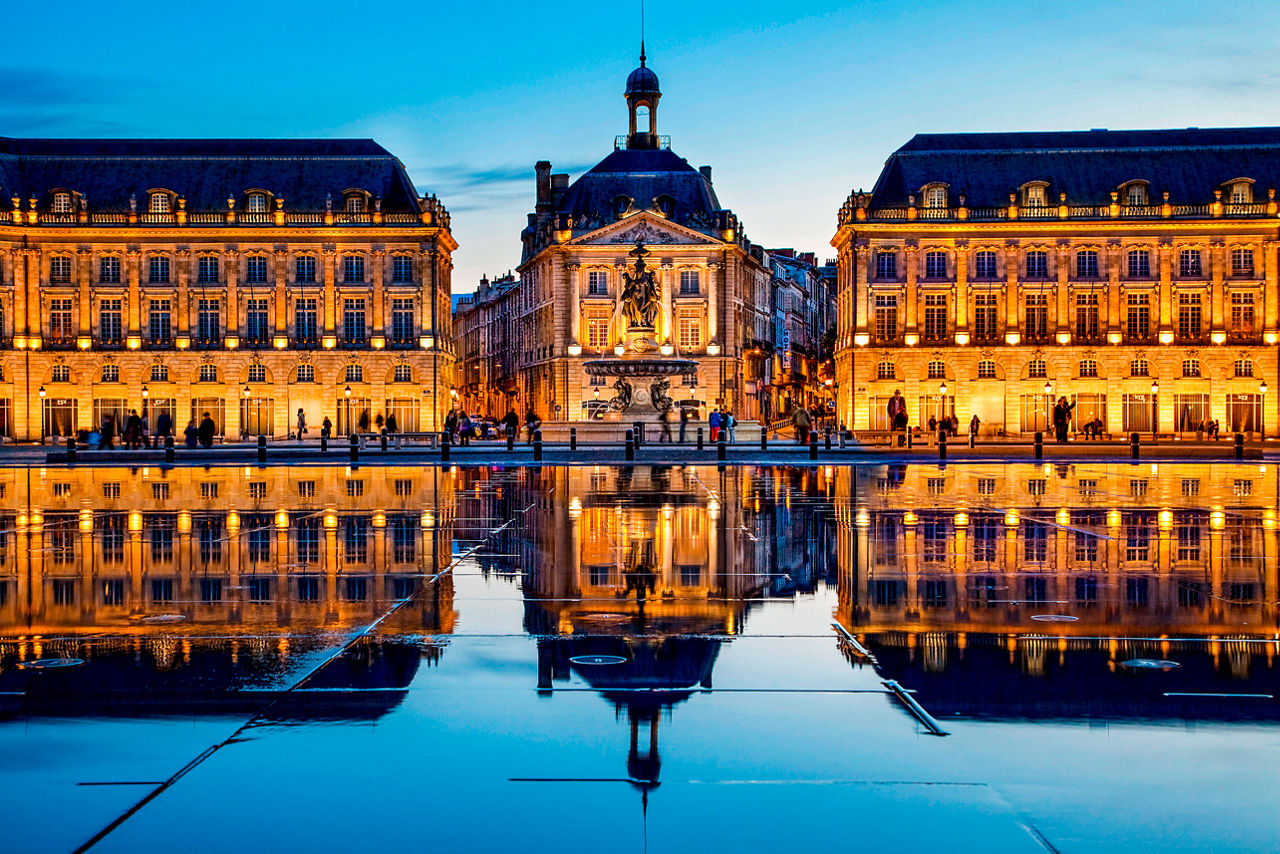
{"x": 644, "y": 657}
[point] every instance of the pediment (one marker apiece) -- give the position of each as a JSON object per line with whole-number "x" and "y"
{"x": 643, "y": 228}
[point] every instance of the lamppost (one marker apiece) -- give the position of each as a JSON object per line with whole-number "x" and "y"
{"x": 244, "y": 412}
{"x": 346, "y": 405}
{"x": 1155, "y": 413}
{"x": 1048, "y": 403}
{"x": 43, "y": 426}
{"x": 942, "y": 404}
{"x": 1262, "y": 415}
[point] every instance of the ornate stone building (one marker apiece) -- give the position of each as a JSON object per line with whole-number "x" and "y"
{"x": 244, "y": 278}
{"x": 1133, "y": 272}
{"x": 567, "y": 308}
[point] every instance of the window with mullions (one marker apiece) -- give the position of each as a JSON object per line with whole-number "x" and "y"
{"x": 402, "y": 374}
{"x": 1088, "y": 367}
{"x": 158, "y": 270}
{"x": 402, "y": 320}
{"x": 304, "y": 268}
{"x": 935, "y": 317}
{"x": 305, "y": 374}
{"x": 353, "y": 268}
{"x": 257, "y": 327}
{"x": 1138, "y": 318}
{"x": 255, "y": 270}
{"x": 597, "y": 283}
{"x": 1086, "y": 316}
{"x": 1139, "y": 264}
{"x": 60, "y": 270}
{"x": 109, "y": 270}
{"x": 110, "y": 321}
{"x": 937, "y": 370}
{"x": 690, "y": 331}
{"x": 257, "y": 373}
{"x": 159, "y": 327}
{"x": 1241, "y": 262}
{"x": 305, "y": 323}
{"x": 1190, "y": 317}
{"x": 1137, "y": 536}
{"x": 985, "y": 322}
{"x": 886, "y": 265}
{"x": 935, "y": 264}
{"x": 353, "y": 321}
{"x": 207, "y": 270}
{"x": 1087, "y": 263}
{"x": 986, "y": 370}
{"x": 984, "y": 264}
{"x": 355, "y": 539}
{"x": 60, "y": 329}
{"x": 1037, "y": 264}
{"x": 689, "y": 282}
{"x": 257, "y": 203}
{"x": 401, "y": 269}
{"x": 208, "y": 322}
{"x": 886, "y": 317}
{"x": 1189, "y": 263}
{"x": 1035, "y": 323}
{"x": 886, "y": 371}
{"x": 1242, "y": 316}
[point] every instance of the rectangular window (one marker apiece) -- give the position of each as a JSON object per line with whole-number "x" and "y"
{"x": 1138, "y": 319}
{"x": 1086, "y": 317}
{"x": 1189, "y": 262}
{"x": 688, "y": 282}
{"x": 110, "y": 321}
{"x": 353, "y": 322}
{"x": 257, "y": 328}
{"x": 109, "y": 270}
{"x": 401, "y": 269}
{"x": 305, "y": 324}
{"x": 1037, "y": 264}
{"x": 1035, "y": 322}
{"x": 984, "y": 264}
{"x": 255, "y": 270}
{"x": 1087, "y": 264}
{"x": 353, "y": 268}
{"x": 886, "y": 265}
{"x": 690, "y": 331}
{"x": 597, "y": 331}
{"x": 1242, "y": 262}
{"x": 60, "y": 271}
{"x": 208, "y": 322}
{"x": 159, "y": 330}
{"x": 207, "y": 270}
{"x": 985, "y": 326}
{"x": 1139, "y": 264}
{"x": 1190, "y": 317}
{"x": 304, "y": 268}
{"x": 60, "y": 329}
{"x": 402, "y": 321}
{"x": 597, "y": 283}
{"x": 158, "y": 272}
{"x": 935, "y": 317}
{"x": 886, "y": 317}
{"x": 935, "y": 265}
{"x": 1241, "y": 314}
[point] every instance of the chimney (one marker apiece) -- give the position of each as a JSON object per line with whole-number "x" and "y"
{"x": 706, "y": 172}
{"x": 542, "y": 169}
{"x": 559, "y": 184}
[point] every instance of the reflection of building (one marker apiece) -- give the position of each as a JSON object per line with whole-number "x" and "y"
{"x": 244, "y": 278}
{"x": 1134, "y": 272}
{"x": 944, "y": 574}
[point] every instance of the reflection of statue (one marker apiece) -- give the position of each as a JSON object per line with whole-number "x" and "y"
{"x": 640, "y": 300}
{"x": 662, "y": 401}
{"x": 621, "y": 401}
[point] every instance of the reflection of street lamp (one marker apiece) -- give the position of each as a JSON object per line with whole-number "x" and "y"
{"x": 1155, "y": 413}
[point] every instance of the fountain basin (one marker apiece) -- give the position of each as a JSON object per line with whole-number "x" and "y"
{"x": 639, "y": 367}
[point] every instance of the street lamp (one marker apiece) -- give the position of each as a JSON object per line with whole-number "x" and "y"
{"x": 1262, "y": 416}
{"x": 1048, "y": 403}
{"x": 1155, "y": 413}
{"x": 42, "y": 414}
{"x": 145, "y": 392}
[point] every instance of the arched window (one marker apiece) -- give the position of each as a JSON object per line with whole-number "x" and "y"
{"x": 159, "y": 373}
{"x": 885, "y": 371}
{"x": 1135, "y": 193}
{"x": 1037, "y": 369}
{"x": 935, "y": 196}
{"x": 1088, "y": 367}
{"x": 62, "y": 203}
{"x": 354, "y": 374}
{"x": 1139, "y": 368}
{"x": 354, "y": 203}
{"x": 1035, "y": 196}
{"x": 158, "y": 203}
{"x": 643, "y": 119}
{"x": 306, "y": 374}
{"x": 1243, "y": 367}
{"x": 60, "y": 374}
{"x": 111, "y": 373}
{"x": 257, "y": 203}
{"x": 1241, "y": 193}
{"x": 986, "y": 370}
{"x": 1191, "y": 367}
{"x": 208, "y": 373}
{"x": 937, "y": 370}
{"x": 402, "y": 374}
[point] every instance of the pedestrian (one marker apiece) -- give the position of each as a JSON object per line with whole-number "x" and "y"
{"x": 1062, "y": 418}
{"x": 974, "y": 424}
{"x": 392, "y": 425}
{"x": 164, "y": 426}
{"x": 531, "y": 424}
{"x": 898, "y": 416}
{"x": 326, "y": 428}
{"x": 511, "y": 422}
{"x": 378, "y": 423}
{"x": 464, "y": 428}
{"x": 729, "y": 424}
{"x": 800, "y": 418}
{"x": 206, "y": 430}
{"x": 713, "y": 423}
{"x": 451, "y": 424}
{"x": 144, "y": 429}
{"x": 108, "y": 433}
{"x": 684, "y": 422}
{"x": 192, "y": 433}
{"x": 364, "y": 421}
{"x": 133, "y": 431}
{"x": 302, "y": 425}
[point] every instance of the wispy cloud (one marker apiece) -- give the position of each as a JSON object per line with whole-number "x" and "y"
{"x": 50, "y": 102}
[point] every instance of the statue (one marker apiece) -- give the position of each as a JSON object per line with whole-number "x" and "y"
{"x": 640, "y": 299}
{"x": 621, "y": 401}
{"x": 662, "y": 401}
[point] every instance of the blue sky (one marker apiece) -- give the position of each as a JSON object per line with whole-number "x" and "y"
{"x": 793, "y": 104}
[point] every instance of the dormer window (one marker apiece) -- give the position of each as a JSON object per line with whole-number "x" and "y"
{"x": 62, "y": 203}
{"x": 665, "y": 205}
{"x": 621, "y": 204}
{"x": 354, "y": 203}
{"x": 1241, "y": 193}
{"x": 257, "y": 203}
{"x": 158, "y": 203}
{"x": 1035, "y": 196}
{"x": 1135, "y": 194}
{"x": 935, "y": 196}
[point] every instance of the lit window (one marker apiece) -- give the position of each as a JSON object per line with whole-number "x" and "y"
{"x": 935, "y": 317}
{"x": 158, "y": 203}
{"x": 60, "y": 374}
{"x": 985, "y": 321}
{"x": 1037, "y": 197}
{"x": 306, "y": 374}
{"x": 403, "y": 374}
{"x": 937, "y": 370}
{"x": 1189, "y": 262}
{"x": 60, "y": 270}
{"x": 1191, "y": 367}
{"x": 159, "y": 373}
{"x": 597, "y": 283}
{"x": 886, "y": 317}
{"x": 354, "y": 374}
{"x": 1243, "y": 368}
{"x": 1087, "y": 316}
{"x": 111, "y": 373}
{"x": 257, "y": 203}
{"x": 62, "y": 203}
{"x": 935, "y": 264}
{"x": 208, "y": 373}
{"x": 984, "y": 264}
{"x": 1190, "y": 316}
{"x": 401, "y": 269}
{"x": 935, "y": 197}
{"x": 1037, "y": 369}
{"x": 1088, "y": 367}
{"x": 1241, "y": 193}
{"x": 690, "y": 331}
{"x": 886, "y": 265}
{"x": 1139, "y": 263}
{"x": 1135, "y": 194}
{"x": 109, "y": 270}
{"x": 886, "y": 371}
{"x": 1087, "y": 263}
{"x": 1139, "y": 368}
{"x": 1242, "y": 315}
{"x": 355, "y": 203}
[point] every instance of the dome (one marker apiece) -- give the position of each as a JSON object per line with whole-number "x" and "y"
{"x": 642, "y": 81}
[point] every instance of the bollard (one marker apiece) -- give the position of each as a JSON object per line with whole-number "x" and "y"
{"x": 699, "y": 438}
{"x": 942, "y": 444}
{"x": 168, "y": 449}
{"x": 813, "y": 444}
{"x": 355, "y": 447}
{"x": 71, "y": 450}
{"x": 638, "y": 429}
{"x": 631, "y": 445}
{"x": 1133, "y": 446}
{"x": 764, "y": 438}
{"x": 382, "y": 440}
{"x": 1039, "y": 445}
{"x": 262, "y": 449}
{"x": 511, "y": 439}
{"x": 828, "y": 438}
{"x": 324, "y": 443}
{"x": 1239, "y": 446}
{"x": 573, "y": 438}
{"x": 720, "y": 447}
{"x": 910, "y": 438}
{"x": 445, "y": 445}
{"x": 537, "y": 445}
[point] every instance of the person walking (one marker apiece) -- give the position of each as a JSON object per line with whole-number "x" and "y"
{"x": 206, "y": 430}
{"x": 302, "y": 425}
{"x": 975, "y": 423}
{"x": 531, "y": 424}
{"x": 164, "y": 426}
{"x": 392, "y": 425}
{"x": 800, "y": 419}
{"x": 511, "y": 423}
{"x": 108, "y": 433}
{"x": 326, "y": 428}
{"x": 898, "y": 415}
{"x": 191, "y": 434}
{"x": 684, "y": 422}
{"x": 1062, "y": 418}
{"x": 133, "y": 431}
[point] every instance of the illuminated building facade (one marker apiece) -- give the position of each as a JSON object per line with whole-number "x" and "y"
{"x": 243, "y": 278}
{"x": 1132, "y": 272}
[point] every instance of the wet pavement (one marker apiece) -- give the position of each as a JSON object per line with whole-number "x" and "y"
{"x": 644, "y": 658}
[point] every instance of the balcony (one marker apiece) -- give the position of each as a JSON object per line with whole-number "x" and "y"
{"x": 206, "y": 342}
{"x": 158, "y": 343}
{"x": 402, "y": 342}
{"x": 359, "y": 342}
{"x": 306, "y": 342}
{"x": 59, "y": 341}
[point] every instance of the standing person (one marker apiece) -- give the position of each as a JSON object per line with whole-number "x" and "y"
{"x": 144, "y": 428}
{"x": 713, "y": 423}
{"x": 302, "y": 425}
{"x": 511, "y": 422}
{"x": 133, "y": 431}
{"x": 730, "y": 424}
{"x": 898, "y": 415}
{"x": 377, "y": 423}
{"x": 326, "y": 428}
{"x": 531, "y": 424}
{"x": 464, "y": 428}
{"x": 800, "y": 418}
{"x": 164, "y": 426}
{"x": 974, "y": 424}
{"x": 108, "y": 433}
{"x": 665, "y": 421}
{"x": 451, "y": 424}
{"x": 364, "y": 421}
{"x": 684, "y": 422}
{"x": 192, "y": 433}
{"x": 1062, "y": 418}
{"x": 207, "y": 429}
{"x": 392, "y": 425}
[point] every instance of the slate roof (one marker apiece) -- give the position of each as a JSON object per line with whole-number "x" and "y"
{"x": 643, "y": 175}
{"x": 1087, "y": 165}
{"x": 205, "y": 171}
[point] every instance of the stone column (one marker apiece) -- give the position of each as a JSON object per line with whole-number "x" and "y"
{"x": 574, "y": 308}
{"x": 133, "y": 307}
{"x": 330, "y": 293}
{"x": 962, "y": 287}
{"x": 233, "y": 296}
{"x": 715, "y": 280}
{"x": 19, "y": 258}
{"x": 84, "y": 276}
{"x": 862, "y": 291}
{"x": 280, "y": 271}
{"x": 1064, "y": 288}
{"x": 1113, "y": 290}
{"x": 667, "y": 331}
{"x": 1271, "y": 289}
{"x": 1011, "y": 323}
{"x": 379, "y": 259}
{"x": 913, "y": 273}
{"x": 1166, "y": 288}
{"x": 184, "y": 294}
{"x": 1217, "y": 258}
{"x": 35, "y": 307}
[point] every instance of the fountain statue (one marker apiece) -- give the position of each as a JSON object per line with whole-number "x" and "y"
{"x": 640, "y": 298}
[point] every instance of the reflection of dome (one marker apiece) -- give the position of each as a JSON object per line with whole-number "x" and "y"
{"x": 643, "y": 81}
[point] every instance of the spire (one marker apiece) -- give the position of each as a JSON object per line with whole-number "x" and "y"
{"x": 642, "y": 56}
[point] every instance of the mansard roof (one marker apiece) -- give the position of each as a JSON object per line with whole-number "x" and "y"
{"x": 1189, "y": 164}
{"x": 643, "y": 175}
{"x": 206, "y": 172}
